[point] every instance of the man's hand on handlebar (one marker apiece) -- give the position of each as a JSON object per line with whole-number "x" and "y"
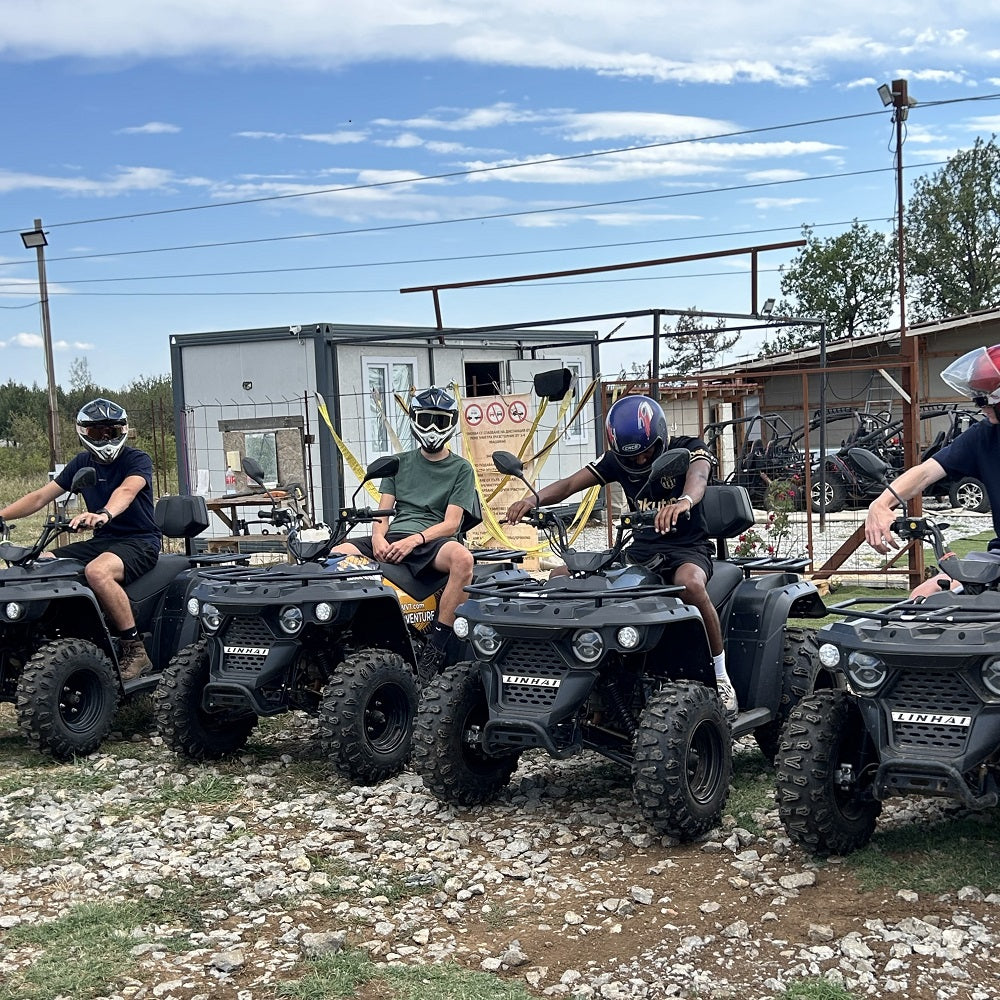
{"x": 518, "y": 509}
{"x": 878, "y": 528}
{"x": 667, "y": 517}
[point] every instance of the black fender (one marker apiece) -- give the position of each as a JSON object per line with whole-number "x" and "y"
{"x": 755, "y": 636}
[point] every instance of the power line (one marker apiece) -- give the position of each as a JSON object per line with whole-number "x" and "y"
{"x": 523, "y": 213}
{"x": 460, "y": 257}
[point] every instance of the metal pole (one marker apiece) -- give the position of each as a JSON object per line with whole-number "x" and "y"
{"x": 50, "y": 372}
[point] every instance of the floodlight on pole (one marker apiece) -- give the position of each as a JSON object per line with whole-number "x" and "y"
{"x": 767, "y": 308}
{"x": 35, "y": 239}
{"x": 885, "y": 92}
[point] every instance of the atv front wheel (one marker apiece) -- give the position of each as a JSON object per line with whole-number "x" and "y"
{"x": 821, "y": 800}
{"x": 683, "y": 761}
{"x": 447, "y": 748}
{"x": 801, "y": 674}
{"x": 180, "y": 719}
{"x": 67, "y": 696}
{"x": 366, "y": 716}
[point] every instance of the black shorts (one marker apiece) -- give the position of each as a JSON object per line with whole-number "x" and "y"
{"x": 420, "y": 560}
{"x": 137, "y": 557}
{"x": 665, "y": 559}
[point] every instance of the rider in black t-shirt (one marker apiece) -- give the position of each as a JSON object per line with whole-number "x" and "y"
{"x": 677, "y": 546}
{"x": 126, "y": 541}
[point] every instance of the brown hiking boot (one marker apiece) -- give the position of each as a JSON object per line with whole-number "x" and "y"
{"x": 135, "y": 662}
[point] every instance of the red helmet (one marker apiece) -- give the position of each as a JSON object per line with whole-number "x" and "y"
{"x": 976, "y": 375}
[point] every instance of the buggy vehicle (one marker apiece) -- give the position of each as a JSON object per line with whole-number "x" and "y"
{"x": 917, "y": 707}
{"x": 609, "y": 659}
{"x": 335, "y": 636}
{"x": 765, "y": 453}
{"x": 59, "y": 660}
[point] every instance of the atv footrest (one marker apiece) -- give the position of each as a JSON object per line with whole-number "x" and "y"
{"x": 929, "y": 778}
{"x": 748, "y": 721}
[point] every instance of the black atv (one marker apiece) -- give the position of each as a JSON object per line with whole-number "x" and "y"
{"x": 334, "y": 636}
{"x": 609, "y": 659}
{"x": 917, "y": 711}
{"x": 59, "y": 661}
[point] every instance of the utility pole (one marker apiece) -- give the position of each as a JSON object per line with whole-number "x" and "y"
{"x": 909, "y": 346}
{"x": 36, "y": 239}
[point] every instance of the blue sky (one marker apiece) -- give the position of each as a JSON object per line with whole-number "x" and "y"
{"x": 129, "y": 127}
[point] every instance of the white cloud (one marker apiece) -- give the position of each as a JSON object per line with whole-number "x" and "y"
{"x": 150, "y": 128}
{"x": 790, "y": 46}
{"x": 126, "y": 180}
{"x": 767, "y": 204}
{"x": 325, "y": 138}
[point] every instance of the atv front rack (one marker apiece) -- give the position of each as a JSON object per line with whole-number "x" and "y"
{"x": 960, "y": 609}
{"x": 535, "y": 590}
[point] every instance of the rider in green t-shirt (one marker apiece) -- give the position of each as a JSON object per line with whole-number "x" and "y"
{"x": 432, "y": 491}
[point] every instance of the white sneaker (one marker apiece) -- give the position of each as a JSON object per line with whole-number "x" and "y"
{"x": 727, "y": 695}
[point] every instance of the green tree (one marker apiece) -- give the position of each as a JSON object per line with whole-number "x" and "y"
{"x": 848, "y": 280}
{"x": 696, "y": 344}
{"x": 953, "y": 235}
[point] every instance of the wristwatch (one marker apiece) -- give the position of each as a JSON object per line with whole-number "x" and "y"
{"x": 110, "y": 516}
{"x": 684, "y": 496}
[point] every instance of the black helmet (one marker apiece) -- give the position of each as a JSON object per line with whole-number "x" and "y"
{"x": 433, "y": 418}
{"x": 634, "y": 425}
{"x": 102, "y": 427}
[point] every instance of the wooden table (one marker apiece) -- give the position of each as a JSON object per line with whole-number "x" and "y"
{"x": 227, "y": 508}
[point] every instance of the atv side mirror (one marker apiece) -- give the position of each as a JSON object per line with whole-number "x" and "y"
{"x": 252, "y": 470}
{"x": 671, "y": 463}
{"x": 84, "y": 477}
{"x": 509, "y": 464}
{"x": 870, "y": 464}
{"x": 386, "y": 466}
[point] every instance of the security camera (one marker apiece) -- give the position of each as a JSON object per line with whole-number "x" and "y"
{"x": 294, "y": 330}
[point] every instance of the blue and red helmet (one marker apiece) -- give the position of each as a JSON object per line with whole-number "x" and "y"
{"x": 635, "y": 424}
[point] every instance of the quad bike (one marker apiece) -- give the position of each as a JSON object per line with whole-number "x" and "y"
{"x": 59, "y": 660}
{"x": 609, "y": 659}
{"x": 335, "y": 636}
{"x": 917, "y": 709}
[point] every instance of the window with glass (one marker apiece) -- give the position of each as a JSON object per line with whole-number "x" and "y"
{"x": 577, "y": 431}
{"x": 387, "y": 428}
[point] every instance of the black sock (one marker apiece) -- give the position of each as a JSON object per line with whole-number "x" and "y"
{"x": 440, "y": 634}
{"x": 129, "y": 633}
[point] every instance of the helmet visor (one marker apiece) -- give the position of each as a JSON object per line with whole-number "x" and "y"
{"x": 438, "y": 420}
{"x": 103, "y": 433}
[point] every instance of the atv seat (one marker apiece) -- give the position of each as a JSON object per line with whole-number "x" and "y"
{"x": 728, "y": 514}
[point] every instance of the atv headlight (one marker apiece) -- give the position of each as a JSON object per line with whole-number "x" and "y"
{"x": 461, "y": 627}
{"x": 193, "y": 607}
{"x": 324, "y": 611}
{"x": 485, "y": 640}
{"x": 588, "y": 645}
{"x": 829, "y": 655}
{"x": 628, "y": 637}
{"x": 211, "y": 619}
{"x": 290, "y": 619}
{"x": 867, "y": 672}
{"x": 990, "y": 673}
{"x": 13, "y": 610}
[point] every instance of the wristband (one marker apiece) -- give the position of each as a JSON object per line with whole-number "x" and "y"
{"x": 684, "y": 496}
{"x": 104, "y": 510}
{"x": 423, "y": 541}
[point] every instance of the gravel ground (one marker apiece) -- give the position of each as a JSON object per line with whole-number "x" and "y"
{"x": 557, "y": 885}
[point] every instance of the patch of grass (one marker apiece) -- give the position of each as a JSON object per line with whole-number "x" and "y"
{"x": 58, "y": 781}
{"x": 752, "y": 790}
{"x": 934, "y": 858}
{"x": 80, "y": 954}
{"x": 205, "y": 789}
{"x": 815, "y": 989}
{"x": 348, "y": 973}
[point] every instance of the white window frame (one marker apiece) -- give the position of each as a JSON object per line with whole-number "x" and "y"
{"x": 579, "y": 431}
{"x": 388, "y": 365}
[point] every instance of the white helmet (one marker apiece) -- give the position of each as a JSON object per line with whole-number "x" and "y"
{"x": 976, "y": 375}
{"x": 102, "y": 427}
{"x": 433, "y": 418}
